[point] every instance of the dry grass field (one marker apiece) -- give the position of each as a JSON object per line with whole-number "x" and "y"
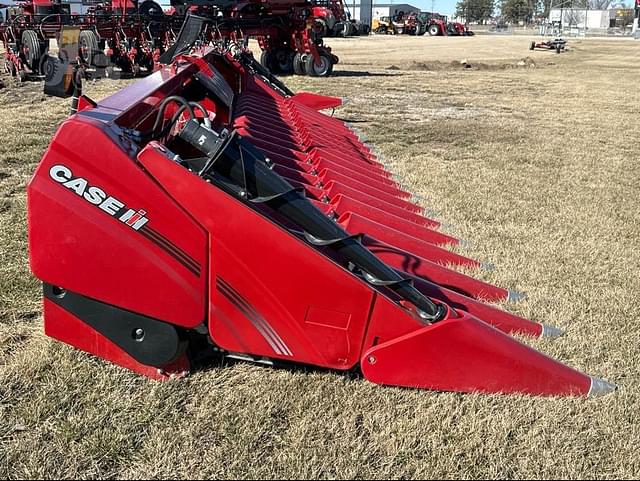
{"x": 532, "y": 156}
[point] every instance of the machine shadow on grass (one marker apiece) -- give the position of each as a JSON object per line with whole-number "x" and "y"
{"x": 356, "y": 73}
{"x": 352, "y": 74}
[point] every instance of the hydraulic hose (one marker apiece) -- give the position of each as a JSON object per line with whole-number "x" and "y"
{"x": 185, "y": 105}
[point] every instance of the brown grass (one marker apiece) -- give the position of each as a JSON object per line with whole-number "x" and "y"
{"x": 538, "y": 167}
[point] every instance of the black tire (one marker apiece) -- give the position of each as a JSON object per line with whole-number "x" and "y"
{"x": 299, "y": 64}
{"x": 31, "y": 50}
{"x": 266, "y": 60}
{"x": 434, "y": 30}
{"x": 54, "y": 71}
{"x": 324, "y": 70}
{"x": 151, "y": 10}
{"x": 532, "y": 46}
{"x": 558, "y": 48}
{"x": 283, "y": 61}
{"x": 320, "y": 26}
{"x": 88, "y": 46}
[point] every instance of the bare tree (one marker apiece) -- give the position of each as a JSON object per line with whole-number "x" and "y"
{"x": 585, "y": 4}
{"x": 573, "y": 18}
{"x": 599, "y": 4}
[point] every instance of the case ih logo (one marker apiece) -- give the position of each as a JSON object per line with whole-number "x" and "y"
{"x": 98, "y": 197}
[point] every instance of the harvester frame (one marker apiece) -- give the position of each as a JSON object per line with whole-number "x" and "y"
{"x": 208, "y": 210}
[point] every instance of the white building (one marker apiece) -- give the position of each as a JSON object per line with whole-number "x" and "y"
{"x": 591, "y": 19}
{"x": 360, "y": 10}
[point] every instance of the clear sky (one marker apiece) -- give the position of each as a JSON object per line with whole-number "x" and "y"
{"x": 445, "y": 7}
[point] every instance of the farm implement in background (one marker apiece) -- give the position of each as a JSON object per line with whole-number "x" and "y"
{"x": 208, "y": 210}
{"x": 122, "y": 37}
{"x": 118, "y": 35}
{"x": 291, "y": 38}
{"x": 26, "y": 32}
{"x": 557, "y": 44}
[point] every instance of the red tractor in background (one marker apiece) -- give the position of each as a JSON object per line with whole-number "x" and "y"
{"x": 334, "y": 19}
{"x": 435, "y": 24}
{"x": 457, "y": 28}
{"x": 438, "y": 25}
{"x": 409, "y": 23}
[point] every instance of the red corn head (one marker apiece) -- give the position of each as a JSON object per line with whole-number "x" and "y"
{"x": 268, "y": 232}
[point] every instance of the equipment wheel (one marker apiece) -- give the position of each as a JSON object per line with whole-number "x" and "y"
{"x": 88, "y": 43}
{"x": 323, "y": 70}
{"x": 266, "y": 60}
{"x": 283, "y": 61}
{"x": 299, "y": 60}
{"x": 558, "y": 48}
{"x": 151, "y": 9}
{"x": 532, "y": 46}
{"x": 31, "y": 49}
{"x": 434, "y": 30}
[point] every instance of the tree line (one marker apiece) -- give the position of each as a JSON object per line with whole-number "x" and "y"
{"x": 520, "y": 10}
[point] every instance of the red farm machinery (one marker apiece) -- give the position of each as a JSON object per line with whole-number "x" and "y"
{"x": 334, "y": 19}
{"x": 118, "y": 34}
{"x": 290, "y": 37}
{"x": 438, "y": 25}
{"x": 123, "y": 37}
{"x": 408, "y": 23}
{"x": 208, "y": 211}
{"x": 26, "y": 32}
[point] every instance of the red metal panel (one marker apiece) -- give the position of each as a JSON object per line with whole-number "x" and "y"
{"x": 416, "y": 266}
{"x": 78, "y": 246}
{"x": 364, "y": 222}
{"x": 262, "y": 306}
{"x": 466, "y": 355}
{"x": 380, "y": 233}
